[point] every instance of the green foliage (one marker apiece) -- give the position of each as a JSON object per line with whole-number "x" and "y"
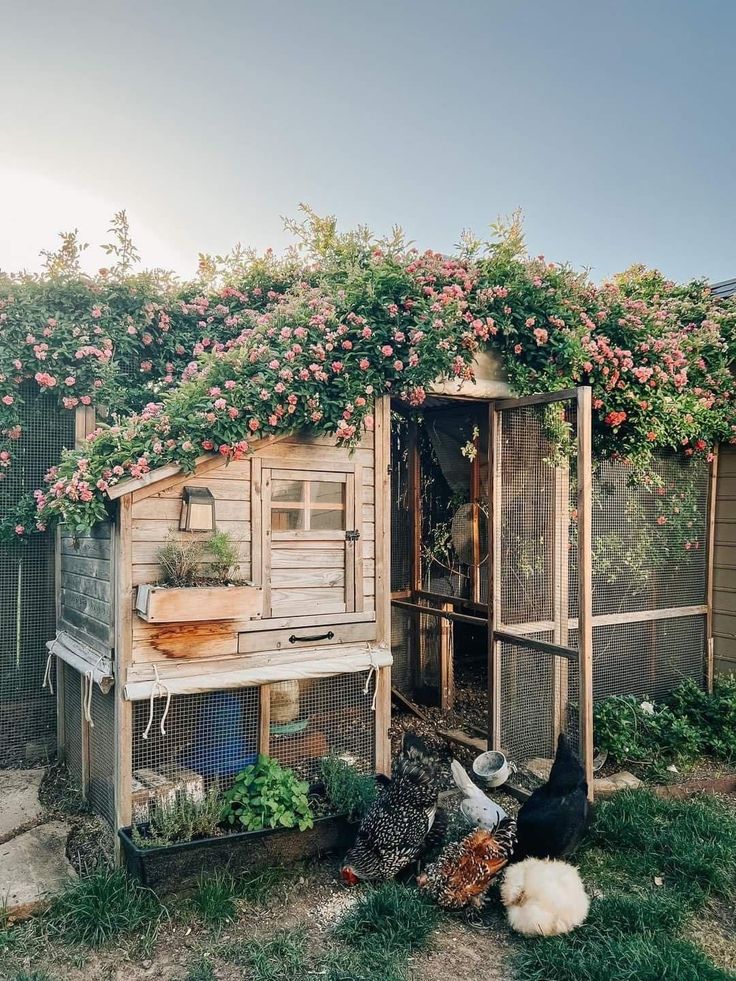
{"x": 101, "y": 907}
{"x": 200, "y": 970}
{"x": 183, "y": 820}
{"x": 691, "y": 723}
{"x": 606, "y": 957}
{"x": 180, "y": 558}
{"x": 215, "y": 897}
{"x": 266, "y": 795}
{"x": 224, "y": 557}
{"x": 188, "y": 560}
{"x": 282, "y": 957}
{"x": 713, "y": 715}
{"x": 307, "y": 340}
{"x": 351, "y": 792}
{"x": 391, "y": 918}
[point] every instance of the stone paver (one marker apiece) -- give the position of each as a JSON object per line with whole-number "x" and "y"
{"x": 20, "y": 807}
{"x": 33, "y": 868}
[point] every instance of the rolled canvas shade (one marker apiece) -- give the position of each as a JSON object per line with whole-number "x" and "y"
{"x": 347, "y": 661}
{"x": 83, "y": 660}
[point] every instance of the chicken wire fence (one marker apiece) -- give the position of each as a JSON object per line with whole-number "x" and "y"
{"x": 71, "y": 701}
{"x": 648, "y": 560}
{"x": 208, "y": 738}
{"x": 27, "y": 603}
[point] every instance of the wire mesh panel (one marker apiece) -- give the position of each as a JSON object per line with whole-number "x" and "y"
{"x": 27, "y": 605}
{"x": 535, "y": 480}
{"x": 331, "y": 716}
{"x": 402, "y": 639}
{"x": 649, "y": 536}
{"x": 72, "y": 682}
{"x": 101, "y": 792}
{"x": 540, "y": 699}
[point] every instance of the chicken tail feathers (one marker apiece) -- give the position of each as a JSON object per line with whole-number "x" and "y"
{"x": 462, "y": 780}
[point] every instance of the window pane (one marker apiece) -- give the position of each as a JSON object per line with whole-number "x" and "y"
{"x": 287, "y": 490}
{"x": 287, "y": 519}
{"x": 327, "y": 492}
{"x": 327, "y": 520}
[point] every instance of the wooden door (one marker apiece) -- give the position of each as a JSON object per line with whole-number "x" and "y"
{"x": 312, "y": 547}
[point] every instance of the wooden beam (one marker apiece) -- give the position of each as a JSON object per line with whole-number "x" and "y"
{"x": 447, "y": 667}
{"x": 264, "y": 719}
{"x": 443, "y": 614}
{"x": 415, "y": 508}
{"x": 409, "y": 705}
{"x": 561, "y": 596}
{"x": 475, "y": 529}
{"x": 123, "y": 565}
{"x": 712, "y": 505}
{"x": 541, "y": 646}
{"x": 565, "y": 395}
{"x": 383, "y": 721}
{"x": 382, "y": 444}
{"x": 442, "y": 598}
{"x": 494, "y": 578}
{"x": 585, "y": 578}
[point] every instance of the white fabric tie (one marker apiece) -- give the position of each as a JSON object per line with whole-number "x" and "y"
{"x": 158, "y": 689}
{"x": 373, "y": 671}
{"x": 47, "y": 681}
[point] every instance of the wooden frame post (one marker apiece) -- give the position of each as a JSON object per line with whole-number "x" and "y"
{"x": 561, "y": 595}
{"x": 123, "y": 566}
{"x": 264, "y": 719}
{"x": 382, "y": 444}
{"x": 494, "y": 578}
{"x": 710, "y": 558}
{"x": 585, "y": 578}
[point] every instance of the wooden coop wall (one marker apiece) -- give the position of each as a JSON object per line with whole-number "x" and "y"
{"x": 301, "y": 582}
{"x": 724, "y": 563}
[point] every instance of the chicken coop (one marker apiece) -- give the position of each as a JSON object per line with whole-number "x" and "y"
{"x": 161, "y": 690}
{"x": 473, "y": 554}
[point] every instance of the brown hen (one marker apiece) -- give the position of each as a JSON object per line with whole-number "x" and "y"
{"x": 462, "y": 874}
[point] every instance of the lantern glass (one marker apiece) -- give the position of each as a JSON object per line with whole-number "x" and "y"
{"x": 197, "y": 510}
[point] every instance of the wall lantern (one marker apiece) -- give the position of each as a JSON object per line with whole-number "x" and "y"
{"x": 197, "y": 510}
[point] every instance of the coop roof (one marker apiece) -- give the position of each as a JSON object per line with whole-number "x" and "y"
{"x": 724, "y": 289}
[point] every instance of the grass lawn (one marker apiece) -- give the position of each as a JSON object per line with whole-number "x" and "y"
{"x": 662, "y": 875}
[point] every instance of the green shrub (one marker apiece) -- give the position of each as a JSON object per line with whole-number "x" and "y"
{"x": 351, "y": 792}
{"x": 183, "y": 820}
{"x": 646, "y": 732}
{"x": 713, "y": 715}
{"x": 180, "y": 560}
{"x": 225, "y": 557}
{"x": 266, "y": 795}
{"x": 102, "y": 906}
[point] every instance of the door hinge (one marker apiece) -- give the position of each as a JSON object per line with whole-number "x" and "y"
{"x": 352, "y": 536}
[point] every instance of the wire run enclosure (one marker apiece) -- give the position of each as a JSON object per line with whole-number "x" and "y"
{"x": 151, "y": 708}
{"x": 538, "y": 576}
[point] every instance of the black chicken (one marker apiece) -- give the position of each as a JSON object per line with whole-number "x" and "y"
{"x": 398, "y": 828}
{"x": 551, "y": 823}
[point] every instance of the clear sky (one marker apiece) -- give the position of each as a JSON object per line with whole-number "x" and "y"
{"x": 610, "y": 124}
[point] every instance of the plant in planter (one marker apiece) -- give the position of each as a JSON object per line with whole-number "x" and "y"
{"x": 209, "y": 566}
{"x": 186, "y": 819}
{"x": 350, "y": 792}
{"x": 266, "y": 795}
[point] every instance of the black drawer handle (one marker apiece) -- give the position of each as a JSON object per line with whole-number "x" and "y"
{"x": 328, "y": 636}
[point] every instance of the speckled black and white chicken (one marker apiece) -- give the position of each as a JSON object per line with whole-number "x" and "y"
{"x": 398, "y": 827}
{"x": 465, "y": 869}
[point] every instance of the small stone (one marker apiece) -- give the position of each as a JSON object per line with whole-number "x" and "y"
{"x": 617, "y": 781}
{"x": 20, "y": 807}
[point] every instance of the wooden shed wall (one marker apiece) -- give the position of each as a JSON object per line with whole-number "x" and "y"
{"x": 724, "y": 571}
{"x": 86, "y": 609}
{"x": 155, "y": 515}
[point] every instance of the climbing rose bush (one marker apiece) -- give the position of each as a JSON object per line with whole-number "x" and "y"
{"x": 279, "y": 345}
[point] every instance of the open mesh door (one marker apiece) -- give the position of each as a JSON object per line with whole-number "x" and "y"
{"x": 540, "y": 653}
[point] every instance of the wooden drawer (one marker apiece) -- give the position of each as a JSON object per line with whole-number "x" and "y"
{"x": 304, "y": 638}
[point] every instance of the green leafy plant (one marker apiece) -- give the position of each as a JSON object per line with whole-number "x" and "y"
{"x": 713, "y": 715}
{"x": 184, "y": 819}
{"x": 224, "y": 557}
{"x": 350, "y": 791}
{"x": 266, "y": 795}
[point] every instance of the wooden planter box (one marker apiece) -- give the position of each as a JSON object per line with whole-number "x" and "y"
{"x": 169, "y": 604}
{"x": 170, "y": 865}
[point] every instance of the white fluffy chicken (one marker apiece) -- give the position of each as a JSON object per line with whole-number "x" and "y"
{"x": 544, "y": 897}
{"x": 477, "y": 807}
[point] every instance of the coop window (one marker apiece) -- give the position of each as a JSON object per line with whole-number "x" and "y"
{"x": 308, "y": 505}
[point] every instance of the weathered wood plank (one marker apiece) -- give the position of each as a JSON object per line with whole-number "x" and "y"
{"x": 267, "y": 640}
{"x": 300, "y": 558}
{"x": 307, "y": 576}
{"x": 88, "y": 548}
{"x": 86, "y": 605}
{"x": 78, "y": 565}
{"x": 169, "y": 509}
{"x": 99, "y": 589}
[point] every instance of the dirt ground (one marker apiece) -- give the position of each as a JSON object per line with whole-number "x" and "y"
{"x": 313, "y": 900}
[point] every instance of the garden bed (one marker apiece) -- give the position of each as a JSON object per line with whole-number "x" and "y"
{"x": 169, "y": 865}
